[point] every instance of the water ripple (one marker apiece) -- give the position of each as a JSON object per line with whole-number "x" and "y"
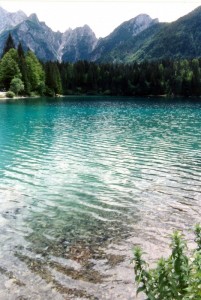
{"x": 80, "y": 175}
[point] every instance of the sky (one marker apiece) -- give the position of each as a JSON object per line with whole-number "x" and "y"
{"x": 102, "y": 16}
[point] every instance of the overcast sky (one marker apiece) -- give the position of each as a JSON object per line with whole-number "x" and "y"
{"x": 102, "y": 16}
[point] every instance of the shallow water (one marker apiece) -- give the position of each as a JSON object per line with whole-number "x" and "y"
{"x": 84, "y": 179}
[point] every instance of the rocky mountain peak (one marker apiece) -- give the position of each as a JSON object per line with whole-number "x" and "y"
{"x": 84, "y": 31}
{"x": 3, "y": 11}
{"x": 77, "y": 43}
{"x": 33, "y": 17}
{"x": 9, "y": 20}
{"x": 139, "y": 23}
{"x": 144, "y": 18}
{"x": 21, "y": 13}
{"x": 87, "y": 28}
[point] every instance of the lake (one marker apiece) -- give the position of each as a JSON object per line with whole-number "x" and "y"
{"x": 83, "y": 180}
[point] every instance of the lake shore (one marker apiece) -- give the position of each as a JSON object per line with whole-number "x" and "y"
{"x": 165, "y": 96}
{"x": 3, "y": 97}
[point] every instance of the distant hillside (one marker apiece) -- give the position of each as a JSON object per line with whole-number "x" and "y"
{"x": 123, "y": 52}
{"x": 107, "y": 48}
{"x": 180, "y": 39}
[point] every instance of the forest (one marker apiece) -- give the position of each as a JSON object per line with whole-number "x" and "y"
{"x": 22, "y": 73}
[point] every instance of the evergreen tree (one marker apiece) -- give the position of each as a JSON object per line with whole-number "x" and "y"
{"x": 196, "y": 81}
{"x": 35, "y": 73}
{"x": 23, "y": 69}
{"x": 20, "y": 50}
{"x": 53, "y": 79}
{"x": 8, "y": 45}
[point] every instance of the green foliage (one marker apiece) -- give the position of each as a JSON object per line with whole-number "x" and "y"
{"x": 121, "y": 47}
{"x": 16, "y": 85}
{"x": 163, "y": 77}
{"x": 198, "y": 236}
{"x": 179, "y": 39}
{"x": 20, "y": 51}
{"x": 10, "y": 94}
{"x": 9, "y": 68}
{"x": 167, "y": 77}
{"x": 53, "y": 79}
{"x": 177, "y": 277}
{"x": 35, "y": 73}
{"x": 23, "y": 69}
{"x": 20, "y": 71}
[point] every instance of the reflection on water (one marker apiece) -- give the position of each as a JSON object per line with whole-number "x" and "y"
{"x": 82, "y": 181}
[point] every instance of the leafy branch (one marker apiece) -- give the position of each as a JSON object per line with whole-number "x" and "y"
{"x": 177, "y": 277}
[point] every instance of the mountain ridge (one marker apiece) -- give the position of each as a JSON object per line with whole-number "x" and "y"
{"x": 140, "y": 38}
{"x": 125, "y": 31}
{"x": 179, "y": 39}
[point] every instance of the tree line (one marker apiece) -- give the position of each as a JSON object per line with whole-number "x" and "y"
{"x": 168, "y": 77}
{"x": 21, "y": 72}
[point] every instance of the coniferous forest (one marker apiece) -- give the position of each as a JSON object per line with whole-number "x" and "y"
{"x": 22, "y": 73}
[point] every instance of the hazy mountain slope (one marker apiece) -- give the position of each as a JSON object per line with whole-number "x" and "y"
{"x": 122, "y": 52}
{"x": 123, "y": 33}
{"x": 180, "y": 39}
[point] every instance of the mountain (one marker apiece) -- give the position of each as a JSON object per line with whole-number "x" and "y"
{"x": 77, "y": 44}
{"x": 138, "y": 39}
{"x": 179, "y": 39}
{"x": 36, "y": 36}
{"x": 176, "y": 40}
{"x": 120, "y": 36}
{"x": 44, "y": 42}
{"x": 9, "y": 20}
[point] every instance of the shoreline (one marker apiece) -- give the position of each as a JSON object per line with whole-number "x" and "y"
{"x": 4, "y": 98}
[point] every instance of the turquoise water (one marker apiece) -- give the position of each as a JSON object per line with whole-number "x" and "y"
{"x": 78, "y": 175}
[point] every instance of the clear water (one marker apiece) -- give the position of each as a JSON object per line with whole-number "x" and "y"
{"x": 78, "y": 175}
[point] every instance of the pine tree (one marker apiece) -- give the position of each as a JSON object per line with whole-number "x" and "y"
{"x": 53, "y": 79}
{"x": 8, "y": 45}
{"x": 23, "y": 68}
{"x": 20, "y": 50}
{"x": 35, "y": 72}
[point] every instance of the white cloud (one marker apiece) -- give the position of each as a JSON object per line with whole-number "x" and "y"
{"x": 102, "y": 16}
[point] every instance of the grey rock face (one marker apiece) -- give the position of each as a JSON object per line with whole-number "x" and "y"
{"x": 36, "y": 36}
{"x": 77, "y": 44}
{"x": 139, "y": 23}
{"x": 10, "y": 20}
{"x": 74, "y": 44}
{"x": 46, "y": 44}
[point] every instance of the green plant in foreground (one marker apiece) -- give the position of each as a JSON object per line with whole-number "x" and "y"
{"x": 177, "y": 277}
